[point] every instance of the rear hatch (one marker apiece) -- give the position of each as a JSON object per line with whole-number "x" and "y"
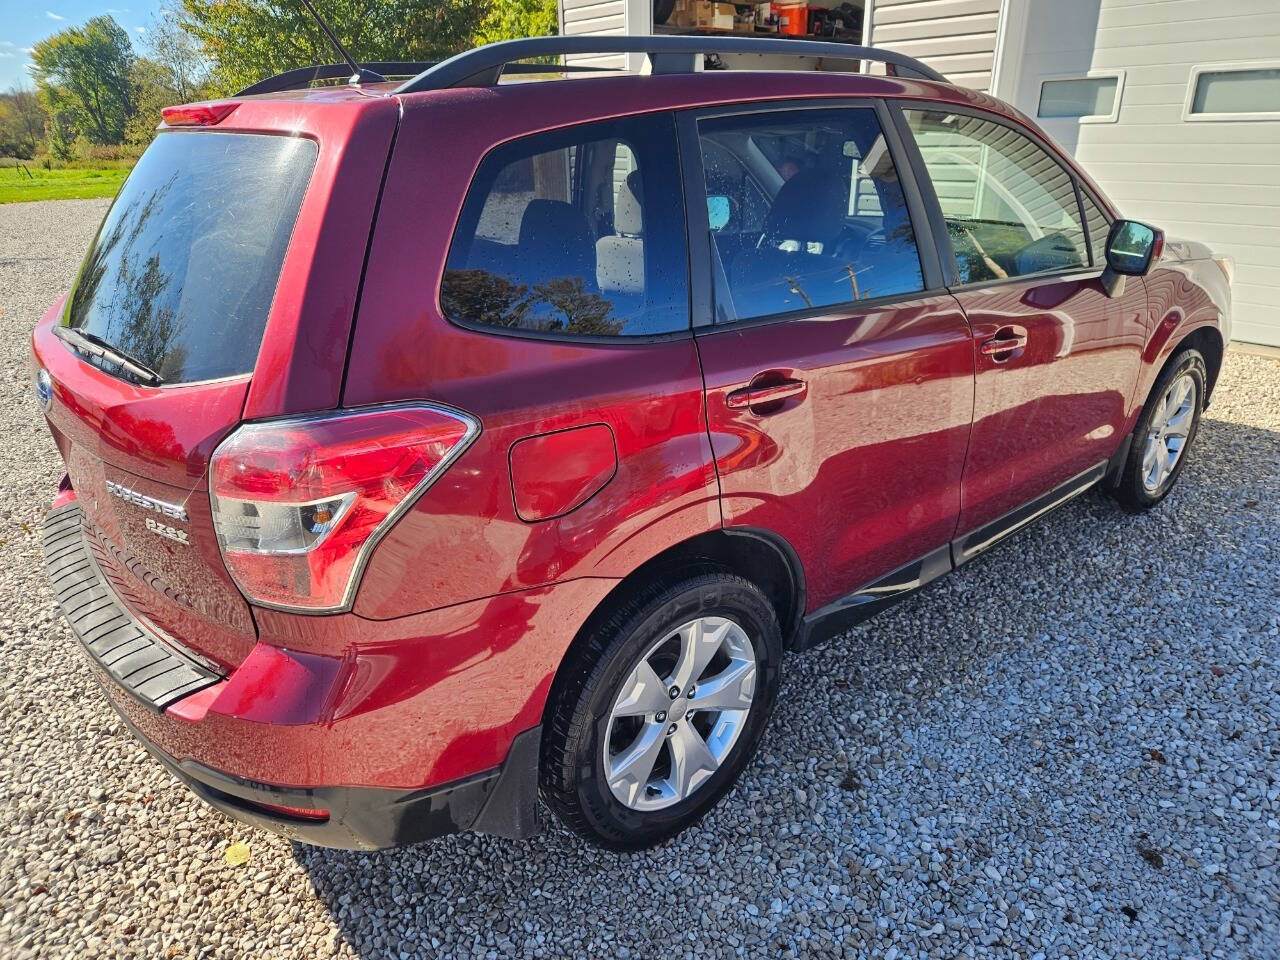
{"x": 221, "y": 240}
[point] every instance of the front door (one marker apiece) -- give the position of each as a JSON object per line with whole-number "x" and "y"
{"x": 839, "y": 373}
{"x": 1057, "y": 358}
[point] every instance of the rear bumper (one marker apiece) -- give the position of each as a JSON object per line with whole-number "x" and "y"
{"x": 501, "y": 802}
{"x": 329, "y": 738}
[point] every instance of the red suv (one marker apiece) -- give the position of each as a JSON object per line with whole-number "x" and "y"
{"x": 436, "y": 446}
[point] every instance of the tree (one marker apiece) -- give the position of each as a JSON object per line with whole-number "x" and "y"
{"x": 179, "y": 54}
{"x": 175, "y": 70}
{"x": 154, "y": 88}
{"x": 247, "y": 40}
{"x": 511, "y": 19}
{"x": 21, "y": 123}
{"x": 85, "y": 75}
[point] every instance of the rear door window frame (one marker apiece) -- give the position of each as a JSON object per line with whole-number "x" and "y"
{"x": 567, "y": 132}
{"x": 701, "y": 255}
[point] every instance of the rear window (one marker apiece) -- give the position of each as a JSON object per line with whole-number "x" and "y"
{"x": 181, "y": 275}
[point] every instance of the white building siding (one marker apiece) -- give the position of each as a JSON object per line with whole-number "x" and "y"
{"x": 1215, "y": 181}
{"x": 955, "y": 37}
{"x": 598, "y": 16}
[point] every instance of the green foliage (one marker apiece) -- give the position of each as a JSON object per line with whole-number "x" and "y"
{"x": 21, "y": 124}
{"x": 153, "y": 90}
{"x": 247, "y": 40}
{"x": 84, "y": 75}
{"x": 512, "y": 19}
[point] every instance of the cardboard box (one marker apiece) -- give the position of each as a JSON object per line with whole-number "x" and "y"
{"x": 683, "y": 14}
{"x": 713, "y": 16}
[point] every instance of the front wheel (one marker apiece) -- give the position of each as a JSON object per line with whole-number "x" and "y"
{"x": 660, "y": 708}
{"x": 1163, "y": 436}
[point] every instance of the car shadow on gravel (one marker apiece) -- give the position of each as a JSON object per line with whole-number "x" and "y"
{"x": 965, "y": 733}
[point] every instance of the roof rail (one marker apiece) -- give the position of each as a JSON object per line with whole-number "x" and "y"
{"x": 483, "y": 66}
{"x": 302, "y": 77}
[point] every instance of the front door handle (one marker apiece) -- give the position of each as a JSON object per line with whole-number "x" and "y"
{"x": 1006, "y": 341}
{"x": 765, "y": 395}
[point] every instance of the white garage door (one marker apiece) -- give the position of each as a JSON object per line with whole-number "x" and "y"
{"x": 1183, "y": 122}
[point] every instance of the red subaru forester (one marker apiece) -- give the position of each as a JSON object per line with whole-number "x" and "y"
{"x": 434, "y": 447}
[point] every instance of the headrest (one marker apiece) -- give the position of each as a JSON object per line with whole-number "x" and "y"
{"x": 553, "y": 222}
{"x": 808, "y": 208}
{"x": 628, "y": 212}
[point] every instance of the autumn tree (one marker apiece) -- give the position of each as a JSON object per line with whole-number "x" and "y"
{"x": 21, "y": 123}
{"x": 85, "y": 78}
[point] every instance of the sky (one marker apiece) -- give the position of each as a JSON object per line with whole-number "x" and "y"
{"x": 23, "y": 22}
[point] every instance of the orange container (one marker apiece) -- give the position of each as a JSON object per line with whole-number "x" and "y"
{"x": 793, "y": 16}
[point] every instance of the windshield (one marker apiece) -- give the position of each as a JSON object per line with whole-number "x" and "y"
{"x": 182, "y": 273}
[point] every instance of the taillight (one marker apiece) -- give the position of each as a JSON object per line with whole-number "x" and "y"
{"x": 197, "y": 114}
{"x": 298, "y": 505}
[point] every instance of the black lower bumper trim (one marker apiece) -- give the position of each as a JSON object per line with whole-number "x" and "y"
{"x": 501, "y": 801}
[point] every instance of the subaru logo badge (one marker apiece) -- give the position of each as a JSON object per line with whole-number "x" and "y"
{"x": 44, "y": 389}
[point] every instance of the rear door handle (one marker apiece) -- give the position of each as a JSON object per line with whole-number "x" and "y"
{"x": 1006, "y": 341}
{"x": 763, "y": 395}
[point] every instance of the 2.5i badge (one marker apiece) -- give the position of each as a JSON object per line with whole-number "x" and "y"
{"x": 164, "y": 530}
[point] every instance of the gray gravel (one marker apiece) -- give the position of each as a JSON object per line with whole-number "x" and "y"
{"x": 1068, "y": 748}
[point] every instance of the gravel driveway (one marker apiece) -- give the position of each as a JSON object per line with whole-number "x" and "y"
{"x": 1069, "y": 748}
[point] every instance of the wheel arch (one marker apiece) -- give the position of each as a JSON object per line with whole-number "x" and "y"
{"x": 760, "y": 556}
{"x": 1208, "y": 340}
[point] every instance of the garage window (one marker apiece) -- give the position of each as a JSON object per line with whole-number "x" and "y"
{"x": 1241, "y": 92}
{"x": 1095, "y": 98}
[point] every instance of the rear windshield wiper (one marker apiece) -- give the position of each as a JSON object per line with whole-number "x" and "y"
{"x": 96, "y": 346}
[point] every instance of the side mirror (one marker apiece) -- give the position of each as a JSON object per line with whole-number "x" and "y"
{"x": 1132, "y": 248}
{"x": 719, "y": 211}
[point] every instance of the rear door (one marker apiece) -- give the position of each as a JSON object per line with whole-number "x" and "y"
{"x": 839, "y": 372}
{"x": 532, "y": 270}
{"x": 1057, "y": 358}
{"x": 182, "y": 278}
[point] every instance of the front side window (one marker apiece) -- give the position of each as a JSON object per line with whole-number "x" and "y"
{"x": 1099, "y": 227}
{"x": 1010, "y": 207}
{"x": 578, "y": 231}
{"x": 806, "y": 211}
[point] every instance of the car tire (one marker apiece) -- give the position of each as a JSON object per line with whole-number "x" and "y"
{"x": 1172, "y": 412}
{"x": 604, "y": 721}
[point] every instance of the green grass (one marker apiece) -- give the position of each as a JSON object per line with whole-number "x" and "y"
{"x": 70, "y": 184}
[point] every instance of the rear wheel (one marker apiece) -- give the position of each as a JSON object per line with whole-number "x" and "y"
{"x": 1165, "y": 431}
{"x": 661, "y": 707}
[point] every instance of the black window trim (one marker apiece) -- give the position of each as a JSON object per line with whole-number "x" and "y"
{"x": 1091, "y": 270}
{"x": 700, "y": 243}
{"x": 614, "y": 340}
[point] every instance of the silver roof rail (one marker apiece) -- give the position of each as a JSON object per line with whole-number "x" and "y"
{"x": 483, "y": 66}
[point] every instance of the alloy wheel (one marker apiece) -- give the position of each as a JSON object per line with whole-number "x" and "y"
{"x": 679, "y": 713}
{"x": 1168, "y": 432}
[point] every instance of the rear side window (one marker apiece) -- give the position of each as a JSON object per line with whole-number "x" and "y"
{"x": 577, "y": 231}
{"x": 182, "y": 273}
{"x": 1010, "y": 207}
